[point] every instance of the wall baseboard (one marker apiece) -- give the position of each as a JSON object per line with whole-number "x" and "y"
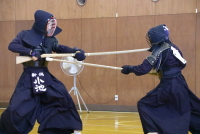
{"x": 4, "y": 104}
{"x": 94, "y": 107}
{"x": 116, "y": 108}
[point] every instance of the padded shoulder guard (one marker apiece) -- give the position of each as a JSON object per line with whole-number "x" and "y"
{"x": 153, "y": 58}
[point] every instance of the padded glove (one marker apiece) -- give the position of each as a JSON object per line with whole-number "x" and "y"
{"x": 80, "y": 54}
{"x": 36, "y": 54}
{"x": 126, "y": 69}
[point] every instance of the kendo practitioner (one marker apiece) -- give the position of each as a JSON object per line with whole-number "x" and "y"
{"x": 171, "y": 107}
{"x": 39, "y": 96}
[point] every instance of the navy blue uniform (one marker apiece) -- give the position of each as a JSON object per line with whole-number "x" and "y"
{"x": 38, "y": 95}
{"x": 171, "y": 107}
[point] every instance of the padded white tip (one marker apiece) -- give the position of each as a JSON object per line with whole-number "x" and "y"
{"x": 77, "y": 132}
{"x": 49, "y": 59}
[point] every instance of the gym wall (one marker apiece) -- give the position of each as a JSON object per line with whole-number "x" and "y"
{"x": 101, "y": 26}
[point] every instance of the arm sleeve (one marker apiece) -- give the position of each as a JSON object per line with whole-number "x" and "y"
{"x": 65, "y": 49}
{"x": 16, "y": 46}
{"x": 143, "y": 68}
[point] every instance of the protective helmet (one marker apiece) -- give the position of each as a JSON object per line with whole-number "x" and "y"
{"x": 45, "y": 22}
{"x": 157, "y": 35}
{"x": 45, "y": 25}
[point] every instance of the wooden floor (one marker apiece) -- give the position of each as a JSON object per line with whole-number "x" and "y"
{"x": 97, "y": 122}
{"x": 106, "y": 122}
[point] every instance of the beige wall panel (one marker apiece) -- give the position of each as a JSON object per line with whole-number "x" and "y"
{"x": 23, "y": 25}
{"x": 7, "y": 10}
{"x": 71, "y": 32}
{"x": 198, "y": 56}
{"x": 99, "y": 8}
{"x": 182, "y": 29}
{"x": 198, "y": 5}
{"x": 135, "y": 7}
{"x": 25, "y": 9}
{"x": 99, "y": 35}
{"x": 176, "y": 6}
{"x": 64, "y": 9}
{"x": 7, "y": 66}
{"x": 70, "y": 36}
{"x": 131, "y": 32}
